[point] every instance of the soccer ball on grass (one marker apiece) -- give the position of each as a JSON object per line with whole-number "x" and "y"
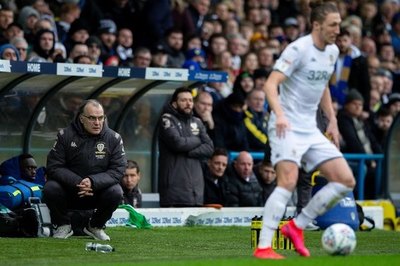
{"x": 339, "y": 239}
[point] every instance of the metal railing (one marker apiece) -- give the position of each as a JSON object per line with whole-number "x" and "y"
{"x": 361, "y": 174}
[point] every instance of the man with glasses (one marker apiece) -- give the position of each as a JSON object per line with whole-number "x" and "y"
{"x": 85, "y": 167}
{"x": 22, "y": 46}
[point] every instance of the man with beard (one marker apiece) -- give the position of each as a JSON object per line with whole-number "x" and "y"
{"x": 183, "y": 145}
{"x": 107, "y": 33}
{"x": 295, "y": 88}
{"x": 174, "y": 46}
{"x": 43, "y": 47}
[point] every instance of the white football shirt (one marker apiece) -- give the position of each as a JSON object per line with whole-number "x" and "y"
{"x": 308, "y": 70}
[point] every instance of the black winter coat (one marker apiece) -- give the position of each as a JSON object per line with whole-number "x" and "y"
{"x": 183, "y": 144}
{"x": 230, "y": 130}
{"x": 133, "y": 197}
{"x": 350, "y": 137}
{"x": 76, "y": 155}
{"x": 257, "y": 129}
{"x": 215, "y": 193}
{"x": 242, "y": 193}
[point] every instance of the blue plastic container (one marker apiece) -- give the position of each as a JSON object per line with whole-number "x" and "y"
{"x": 345, "y": 210}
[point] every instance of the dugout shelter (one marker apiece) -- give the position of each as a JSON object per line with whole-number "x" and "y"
{"x": 37, "y": 99}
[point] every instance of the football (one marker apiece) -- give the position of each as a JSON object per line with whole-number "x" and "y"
{"x": 339, "y": 239}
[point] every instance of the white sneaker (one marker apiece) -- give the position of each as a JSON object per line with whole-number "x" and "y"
{"x": 63, "y": 231}
{"x": 311, "y": 227}
{"x": 96, "y": 233}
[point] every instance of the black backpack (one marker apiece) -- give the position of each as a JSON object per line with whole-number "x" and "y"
{"x": 31, "y": 221}
{"x": 18, "y": 224}
{"x": 366, "y": 223}
{"x": 8, "y": 222}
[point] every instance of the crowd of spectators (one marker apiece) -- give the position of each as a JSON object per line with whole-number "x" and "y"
{"x": 240, "y": 37}
{"x": 115, "y": 32}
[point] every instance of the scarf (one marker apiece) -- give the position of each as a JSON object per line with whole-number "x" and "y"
{"x": 339, "y": 87}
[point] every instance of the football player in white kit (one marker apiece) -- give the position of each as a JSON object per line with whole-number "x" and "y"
{"x": 294, "y": 89}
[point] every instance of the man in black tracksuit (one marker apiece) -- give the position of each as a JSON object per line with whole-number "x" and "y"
{"x": 84, "y": 169}
{"x": 183, "y": 145}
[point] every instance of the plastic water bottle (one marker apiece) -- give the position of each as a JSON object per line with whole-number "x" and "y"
{"x": 103, "y": 248}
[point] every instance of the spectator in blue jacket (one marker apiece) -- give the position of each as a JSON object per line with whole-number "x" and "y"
{"x": 195, "y": 59}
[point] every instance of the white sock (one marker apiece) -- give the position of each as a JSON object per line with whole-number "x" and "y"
{"x": 323, "y": 200}
{"x": 274, "y": 209}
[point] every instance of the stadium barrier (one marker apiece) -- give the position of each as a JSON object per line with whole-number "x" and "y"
{"x": 99, "y": 71}
{"x": 360, "y": 158}
{"x": 161, "y": 217}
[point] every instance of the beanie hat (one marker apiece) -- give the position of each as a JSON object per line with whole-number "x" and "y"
{"x": 25, "y": 13}
{"x": 353, "y": 95}
{"x": 291, "y": 22}
{"x": 93, "y": 40}
{"x": 159, "y": 48}
{"x": 10, "y": 46}
{"x": 384, "y": 73}
{"x": 394, "y": 97}
{"x": 107, "y": 26}
{"x": 195, "y": 52}
{"x": 260, "y": 73}
{"x": 235, "y": 99}
{"x": 77, "y": 25}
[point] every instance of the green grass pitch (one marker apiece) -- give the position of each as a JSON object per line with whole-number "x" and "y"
{"x": 191, "y": 246}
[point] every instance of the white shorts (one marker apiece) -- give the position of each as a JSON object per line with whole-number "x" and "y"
{"x": 307, "y": 150}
